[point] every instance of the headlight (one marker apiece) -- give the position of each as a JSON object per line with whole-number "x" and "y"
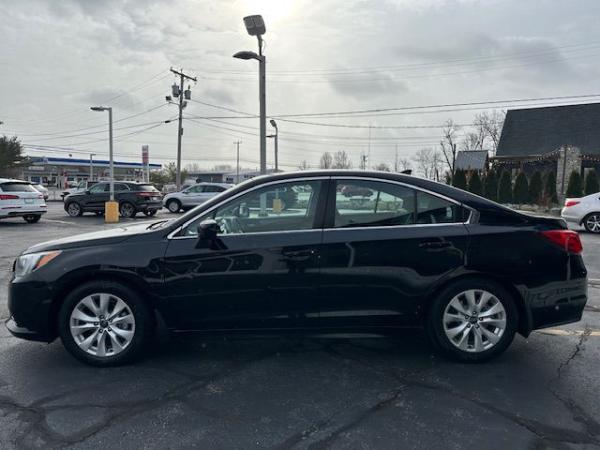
{"x": 26, "y": 264}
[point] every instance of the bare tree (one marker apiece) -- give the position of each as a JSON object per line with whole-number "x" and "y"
{"x": 490, "y": 124}
{"x": 472, "y": 141}
{"x": 448, "y": 144}
{"x": 326, "y": 161}
{"x": 430, "y": 163}
{"x": 303, "y": 165}
{"x": 341, "y": 160}
{"x": 383, "y": 167}
{"x": 403, "y": 164}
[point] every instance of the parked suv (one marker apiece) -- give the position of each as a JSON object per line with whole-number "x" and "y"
{"x": 132, "y": 197}
{"x": 193, "y": 196}
{"x": 20, "y": 199}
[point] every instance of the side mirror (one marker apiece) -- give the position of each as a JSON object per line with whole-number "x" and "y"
{"x": 208, "y": 231}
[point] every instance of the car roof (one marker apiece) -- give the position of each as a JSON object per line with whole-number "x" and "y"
{"x": 13, "y": 180}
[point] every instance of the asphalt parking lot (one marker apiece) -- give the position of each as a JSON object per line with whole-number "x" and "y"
{"x": 303, "y": 393}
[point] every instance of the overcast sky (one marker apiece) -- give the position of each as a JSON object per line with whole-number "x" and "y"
{"x": 58, "y": 58}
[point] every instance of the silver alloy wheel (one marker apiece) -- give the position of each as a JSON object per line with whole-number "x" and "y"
{"x": 102, "y": 325}
{"x": 173, "y": 206}
{"x": 592, "y": 223}
{"x": 474, "y": 320}
{"x": 73, "y": 209}
{"x": 127, "y": 210}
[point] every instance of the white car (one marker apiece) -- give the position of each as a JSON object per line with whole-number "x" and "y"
{"x": 81, "y": 187}
{"x": 20, "y": 199}
{"x": 193, "y": 196}
{"x": 583, "y": 211}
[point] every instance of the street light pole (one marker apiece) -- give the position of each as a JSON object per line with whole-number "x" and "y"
{"x": 111, "y": 209}
{"x": 92, "y": 166}
{"x": 255, "y": 26}
{"x": 237, "y": 170}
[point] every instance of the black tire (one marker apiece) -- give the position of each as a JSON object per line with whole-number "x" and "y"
{"x": 127, "y": 210}
{"x": 144, "y": 325}
{"x": 589, "y": 226}
{"x": 435, "y": 322}
{"x": 174, "y": 206}
{"x": 32, "y": 218}
{"x": 150, "y": 212}
{"x": 74, "y": 209}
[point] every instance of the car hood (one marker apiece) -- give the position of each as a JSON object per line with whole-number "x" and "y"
{"x": 104, "y": 237}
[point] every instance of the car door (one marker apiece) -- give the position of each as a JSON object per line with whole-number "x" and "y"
{"x": 384, "y": 250}
{"x": 262, "y": 271}
{"x": 98, "y": 195}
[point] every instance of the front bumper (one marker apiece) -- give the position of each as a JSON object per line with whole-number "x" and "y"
{"x": 30, "y": 307}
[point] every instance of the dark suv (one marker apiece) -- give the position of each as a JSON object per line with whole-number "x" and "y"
{"x": 132, "y": 198}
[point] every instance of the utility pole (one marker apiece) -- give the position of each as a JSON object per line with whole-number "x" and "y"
{"x": 369, "y": 151}
{"x": 396, "y": 160}
{"x": 237, "y": 170}
{"x": 179, "y": 92}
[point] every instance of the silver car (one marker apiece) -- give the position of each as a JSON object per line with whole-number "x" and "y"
{"x": 193, "y": 196}
{"x": 583, "y": 211}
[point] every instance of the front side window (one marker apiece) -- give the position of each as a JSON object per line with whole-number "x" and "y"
{"x": 280, "y": 207}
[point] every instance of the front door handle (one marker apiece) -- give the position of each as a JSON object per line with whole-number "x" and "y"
{"x": 436, "y": 244}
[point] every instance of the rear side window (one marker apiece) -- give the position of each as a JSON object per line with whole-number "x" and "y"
{"x": 120, "y": 187}
{"x": 17, "y": 187}
{"x": 374, "y": 204}
{"x": 98, "y": 188}
{"x": 213, "y": 189}
{"x": 146, "y": 188}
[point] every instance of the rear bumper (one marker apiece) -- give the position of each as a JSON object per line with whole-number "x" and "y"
{"x": 571, "y": 216}
{"x": 149, "y": 206}
{"x": 556, "y": 303}
{"x": 4, "y": 214}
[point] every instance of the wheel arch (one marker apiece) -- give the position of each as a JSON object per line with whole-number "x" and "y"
{"x": 524, "y": 326}
{"x": 133, "y": 283}
{"x": 587, "y": 215}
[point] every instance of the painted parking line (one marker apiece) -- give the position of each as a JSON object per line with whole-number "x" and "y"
{"x": 557, "y": 332}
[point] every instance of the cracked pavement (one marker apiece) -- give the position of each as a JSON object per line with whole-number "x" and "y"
{"x": 301, "y": 393}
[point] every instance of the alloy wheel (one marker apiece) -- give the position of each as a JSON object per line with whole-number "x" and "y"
{"x": 74, "y": 209}
{"x": 592, "y": 223}
{"x": 102, "y": 325}
{"x": 127, "y": 210}
{"x": 174, "y": 206}
{"x": 474, "y": 320}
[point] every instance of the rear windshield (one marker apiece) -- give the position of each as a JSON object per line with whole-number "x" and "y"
{"x": 146, "y": 188}
{"x": 17, "y": 187}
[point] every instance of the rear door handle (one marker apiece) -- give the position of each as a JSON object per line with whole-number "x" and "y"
{"x": 435, "y": 244}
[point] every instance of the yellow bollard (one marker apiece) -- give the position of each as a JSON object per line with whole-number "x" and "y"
{"x": 111, "y": 212}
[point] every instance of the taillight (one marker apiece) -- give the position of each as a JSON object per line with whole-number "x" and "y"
{"x": 571, "y": 203}
{"x": 566, "y": 239}
{"x": 8, "y": 197}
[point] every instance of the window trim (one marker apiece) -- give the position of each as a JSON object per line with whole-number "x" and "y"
{"x": 330, "y": 218}
{"x": 316, "y": 225}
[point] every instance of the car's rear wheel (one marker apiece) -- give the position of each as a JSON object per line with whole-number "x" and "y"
{"x": 74, "y": 209}
{"x": 592, "y": 222}
{"x": 472, "y": 320}
{"x": 127, "y": 210}
{"x": 150, "y": 212}
{"x": 174, "y": 206}
{"x": 32, "y": 218}
{"x": 104, "y": 323}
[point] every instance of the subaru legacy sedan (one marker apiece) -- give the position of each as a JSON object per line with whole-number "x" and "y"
{"x": 407, "y": 252}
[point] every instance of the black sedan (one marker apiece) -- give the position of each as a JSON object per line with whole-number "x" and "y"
{"x": 132, "y": 197}
{"x": 412, "y": 252}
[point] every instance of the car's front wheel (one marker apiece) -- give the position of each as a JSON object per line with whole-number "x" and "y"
{"x": 592, "y": 222}
{"x": 104, "y": 323}
{"x": 74, "y": 209}
{"x": 472, "y": 320}
{"x": 32, "y": 218}
{"x": 174, "y": 206}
